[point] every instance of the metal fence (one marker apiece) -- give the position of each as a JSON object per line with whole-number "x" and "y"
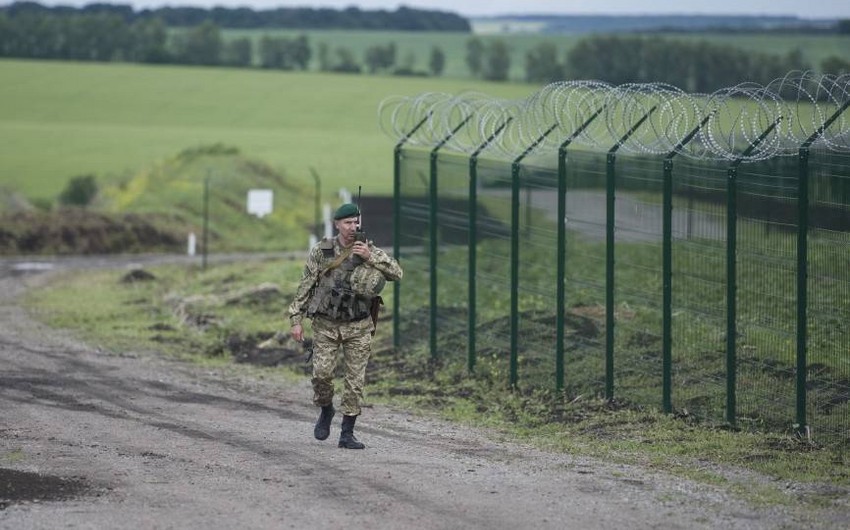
{"x": 638, "y": 243}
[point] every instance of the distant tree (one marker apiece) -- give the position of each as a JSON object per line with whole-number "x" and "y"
{"x": 184, "y": 17}
{"x": 437, "y": 61}
{"x": 7, "y": 35}
{"x": 271, "y": 52}
{"x": 284, "y": 53}
{"x": 31, "y": 35}
{"x": 408, "y": 66}
{"x": 124, "y": 12}
{"x": 380, "y": 58}
{"x": 237, "y": 52}
{"x": 497, "y": 61}
{"x": 844, "y": 26}
{"x": 346, "y": 63}
{"x": 80, "y": 191}
{"x": 660, "y": 62}
{"x": 409, "y": 61}
{"x": 584, "y": 60}
{"x": 541, "y": 64}
{"x": 150, "y": 38}
{"x": 300, "y": 52}
{"x": 475, "y": 56}
{"x": 94, "y": 37}
{"x": 201, "y": 45}
{"x": 796, "y": 60}
{"x": 835, "y": 65}
{"x": 324, "y": 57}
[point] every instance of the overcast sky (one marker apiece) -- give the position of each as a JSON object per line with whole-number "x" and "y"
{"x": 802, "y": 9}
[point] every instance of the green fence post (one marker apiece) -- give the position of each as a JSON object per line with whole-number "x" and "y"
{"x": 397, "y": 223}
{"x": 802, "y": 426}
{"x": 205, "y": 237}
{"x": 667, "y": 285}
{"x": 610, "y": 202}
{"x": 731, "y": 275}
{"x": 434, "y": 247}
{"x": 667, "y": 271}
{"x": 802, "y": 280}
{"x": 731, "y": 289}
{"x": 473, "y": 245}
{"x": 610, "y": 198}
{"x": 561, "y": 271}
{"x": 432, "y": 253}
{"x": 515, "y": 167}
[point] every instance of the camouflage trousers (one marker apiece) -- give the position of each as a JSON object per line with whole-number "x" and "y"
{"x": 356, "y": 341}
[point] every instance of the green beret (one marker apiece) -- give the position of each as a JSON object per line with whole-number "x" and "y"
{"x": 346, "y": 210}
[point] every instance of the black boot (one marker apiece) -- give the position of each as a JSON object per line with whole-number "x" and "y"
{"x": 323, "y": 425}
{"x": 346, "y": 437}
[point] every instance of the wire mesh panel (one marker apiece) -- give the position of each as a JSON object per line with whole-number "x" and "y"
{"x": 766, "y": 301}
{"x": 638, "y": 279}
{"x": 585, "y": 274}
{"x": 699, "y": 289}
{"x": 492, "y": 274}
{"x": 451, "y": 272}
{"x": 828, "y": 377}
{"x": 412, "y": 232}
{"x": 537, "y": 230}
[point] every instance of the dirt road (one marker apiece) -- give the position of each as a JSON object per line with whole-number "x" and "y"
{"x": 96, "y": 440}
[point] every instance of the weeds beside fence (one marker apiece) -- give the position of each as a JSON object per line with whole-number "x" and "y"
{"x": 636, "y": 243}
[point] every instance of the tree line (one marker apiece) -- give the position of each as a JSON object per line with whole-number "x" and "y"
{"x": 693, "y": 66}
{"x": 353, "y": 18}
{"x": 106, "y": 36}
{"x": 698, "y": 67}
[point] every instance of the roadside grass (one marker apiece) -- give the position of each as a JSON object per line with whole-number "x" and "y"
{"x": 764, "y": 467}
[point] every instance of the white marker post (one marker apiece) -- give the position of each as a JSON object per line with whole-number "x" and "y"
{"x": 260, "y": 202}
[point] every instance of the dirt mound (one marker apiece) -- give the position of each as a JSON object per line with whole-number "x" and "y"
{"x": 80, "y": 231}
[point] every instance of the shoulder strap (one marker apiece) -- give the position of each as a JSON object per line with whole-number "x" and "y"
{"x": 337, "y": 261}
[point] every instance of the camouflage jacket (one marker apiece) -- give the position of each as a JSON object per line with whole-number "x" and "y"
{"x": 321, "y": 256}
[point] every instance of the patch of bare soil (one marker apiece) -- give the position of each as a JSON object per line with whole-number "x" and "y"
{"x": 81, "y": 231}
{"x": 25, "y": 486}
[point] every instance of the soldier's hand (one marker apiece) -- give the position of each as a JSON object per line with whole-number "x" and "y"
{"x": 362, "y": 249}
{"x": 297, "y": 332}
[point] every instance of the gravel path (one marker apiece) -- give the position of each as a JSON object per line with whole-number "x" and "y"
{"x": 96, "y": 440}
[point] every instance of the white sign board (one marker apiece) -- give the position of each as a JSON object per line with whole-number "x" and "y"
{"x": 260, "y": 202}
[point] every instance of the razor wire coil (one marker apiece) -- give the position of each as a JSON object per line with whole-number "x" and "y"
{"x": 746, "y": 122}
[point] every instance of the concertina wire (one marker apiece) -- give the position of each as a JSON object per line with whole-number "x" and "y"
{"x": 747, "y": 122}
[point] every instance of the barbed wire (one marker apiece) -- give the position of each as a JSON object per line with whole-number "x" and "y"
{"x": 746, "y": 122}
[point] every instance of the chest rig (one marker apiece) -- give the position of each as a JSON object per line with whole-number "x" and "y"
{"x": 333, "y": 298}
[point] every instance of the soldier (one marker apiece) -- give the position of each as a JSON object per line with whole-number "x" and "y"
{"x": 339, "y": 291}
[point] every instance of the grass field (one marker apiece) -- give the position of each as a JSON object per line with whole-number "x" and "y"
{"x": 63, "y": 119}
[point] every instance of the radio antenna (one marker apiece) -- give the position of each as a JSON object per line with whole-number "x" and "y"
{"x": 359, "y": 210}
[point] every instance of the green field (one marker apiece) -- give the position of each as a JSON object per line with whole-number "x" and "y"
{"x": 63, "y": 119}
